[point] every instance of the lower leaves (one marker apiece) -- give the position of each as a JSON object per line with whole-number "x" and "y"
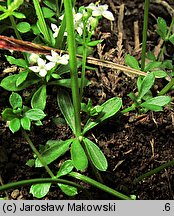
{"x": 41, "y": 190}
{"x": 96, "y": 155}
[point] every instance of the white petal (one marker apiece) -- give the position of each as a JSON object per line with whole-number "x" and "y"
{"x": 33, "y": 58}
{"x": 66, "y": 56}
{"x": 61, "y": 17}
{"x": 41, "y": 62}
{"x": 77, "y": 17}
{"x": 108, "y": 15}
{"x": 35, "y": 68}
{"x": 50, "y": 65}
{"x": 63, "y": 61}
{"x": 103, "y": 7}
{"x": 79, "y": 30}
{"x": 54, "y": 54}
{"x": 55, "y": 34}
{"x": 96, "y": 13}
{"x": 54, "y": 27}
{"x": 43, "y": 73}
{"x": 50, "y": 58}
{"x": 92, "y": 6}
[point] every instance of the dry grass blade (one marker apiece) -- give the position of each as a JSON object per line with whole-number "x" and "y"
{"x": 25, "y": 46}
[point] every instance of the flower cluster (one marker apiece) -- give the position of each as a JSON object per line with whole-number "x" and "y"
{"x": 43, "y": 67}
{"x": 95, "y": 11}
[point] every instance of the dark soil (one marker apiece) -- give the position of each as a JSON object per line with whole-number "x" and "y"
{"x": 133, "y": 144}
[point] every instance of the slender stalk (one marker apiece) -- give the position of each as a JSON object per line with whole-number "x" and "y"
{"x": 83, "y": 71}
{"x": 37, "y": 181}
{"x": 99, "y": 185}
{"x": 84, "y": 56}
{"x": 37, "y": 153}
{"x": 1, "y": 182}
{"x": 13, "y": 23}
{"x": 128, "y": 109}
{"x": 167, "y": 87}
{"x": 154, "y": 171}
{"x": 145, "y": 28}
{"x": 73, "y": 64}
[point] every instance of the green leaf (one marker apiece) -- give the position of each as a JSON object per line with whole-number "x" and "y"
{"x": 25, "y": 123}
{"x": 110, "y": 108}
{"x": 79, "y": 158}
{"x": 167, "y": 64}
{"x": 50, "y": 4}
{"x": 65, "y": 168}
{"x": 54, "y": 151}
{"x": 30, "y": 162}
{"x": 96, "y": 155}
{"x": 88, "y": 52}
{"x": 15, "y": 5}
{"x": 48, "y": 13}
{"x": 139, "y": 82}
{"x": 66, "y": 107}
{"x": 9, "y": 83}
{"x": 23, "y": 27}
{"x": 132, "y": 62}
{"x": 40, "y": 190}
{"x": 161, "y": 28}
{"x": 65, "y": 68}
{"x": 152, "y": 65}
{"x": 15, "y": 100}
{"x": 2, "y": 8}
{"x": 160, "y": 73}
{"x": 150, "y": 56}
{"x": 156, "y": 103}
{"x": 171, "y": 39}
{"x": 94, "y": 43}
{"x": 4, "y": 15}
{"x": 35, "y": 114}
{"x": 8, "y": 114}
{"x": 22, "y": 77}
{"x": 146, "y": 85}
{"x": 14, "y": 125}
{"x": 67, "y": 82}
{"x": 68, "y": 190}
{"x": 18, "y": 62}
{"x": 18, "y": 15}
{"x": 38, "y": 100}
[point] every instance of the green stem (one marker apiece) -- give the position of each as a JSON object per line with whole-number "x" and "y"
{"x": 84, "y": 56}
{"x": 41, "y": 20}
{"x": 99, "y": 185}
{"x": 13, "y": 23}
{"x": 25, "y": 135}
{"x": 167, "y": 87}
{"x": 37, "y": 181}
{"x": 154, "y": 171}
{"x": 83, "y": 71}
{"x": 128, "y": 109}
{"x": 15, "y": 28}
{"x": 145, "y": 28}
{"x": 73, "y": 64}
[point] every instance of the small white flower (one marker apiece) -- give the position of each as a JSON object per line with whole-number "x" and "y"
{"x": 42, "y": 67}
{"x": 56, "y": 30}
{"x": 78, "y": 24}
{"x": 56, "y": 58}
{"x": 101, "y": 10}
{"x": 33, "y": 58}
